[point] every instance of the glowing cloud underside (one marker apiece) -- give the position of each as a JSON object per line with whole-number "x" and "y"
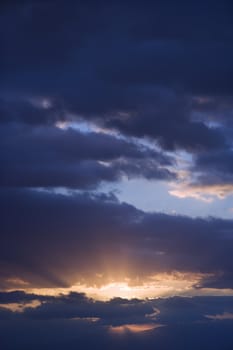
{"x": 161, "y": 285}
{"x": 134, "y": 328}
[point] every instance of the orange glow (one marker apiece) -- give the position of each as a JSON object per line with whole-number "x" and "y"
{"x": 160, "y": 285}
{"x": 134, "y": 328}
{"x": 20, "y": 307}
{"x": 156, "y": 286}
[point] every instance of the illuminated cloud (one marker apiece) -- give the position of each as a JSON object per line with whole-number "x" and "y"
{"x": 133, "y": 328}
{"x": 202, "y": 192}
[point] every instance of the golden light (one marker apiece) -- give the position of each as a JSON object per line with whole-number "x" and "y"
{"x": 156, "y": 286}
{"x": 18, "y": 307}
{"x": 160, "y": 285}
{"x": 121, "y": 290}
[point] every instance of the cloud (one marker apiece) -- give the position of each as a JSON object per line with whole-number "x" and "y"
{"x": 119, "y": 311}
{"x": 209, "y": 176}
{"x": 215, "y": 169}
{"x": 224, "y": 316}
{"x": 172, "y": 132}
{"x": 155, "y": 78}
{"x": 68, "y": 320}
{"x": 204, "y": 192}
{"x": 52, "y": 240}
{"x": 145, "y": 69}
{"x": 53, "y": 157}
{"x": 20, "y": 297}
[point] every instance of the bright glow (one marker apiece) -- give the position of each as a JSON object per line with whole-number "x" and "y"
{"x": 156, "y": 286}
{"x": 160, "y": 285}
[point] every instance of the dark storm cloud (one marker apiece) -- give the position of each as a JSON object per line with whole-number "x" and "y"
{"x": 49, "y": 156}
{"x": 172, "y": 132}
{"x": 79, "y": 55}
{"x": 91, "y": 234}
{"x": 221, "y": 105}
{"x": 214, "y": 169}
{"x": 65, "y": 334}
{"x": 65, "y": 322}
{"x": 21, "y": 297}
{"x": 219, "y": 281}
{"x": 30, "y": 112}
{"x": 115, "y": 312}
{"x": 118, "y": 311}
{"x": 137, "y": 49}
{"x": 220, "y": 161}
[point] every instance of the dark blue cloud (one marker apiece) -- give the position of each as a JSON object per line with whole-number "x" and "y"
{"x": 86, "y": 230}
{"x": 51, "y": 157}
{"x": 65, "y": 321}
{"x": 99, "y": 61}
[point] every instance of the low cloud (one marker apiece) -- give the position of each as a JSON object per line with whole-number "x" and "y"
{"x": 52, "y": 157}
{"x": 58, "y": 240}
{"x": 73, "y": 320}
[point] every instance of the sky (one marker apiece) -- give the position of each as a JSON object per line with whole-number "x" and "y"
{"x": 116, "y": 182}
